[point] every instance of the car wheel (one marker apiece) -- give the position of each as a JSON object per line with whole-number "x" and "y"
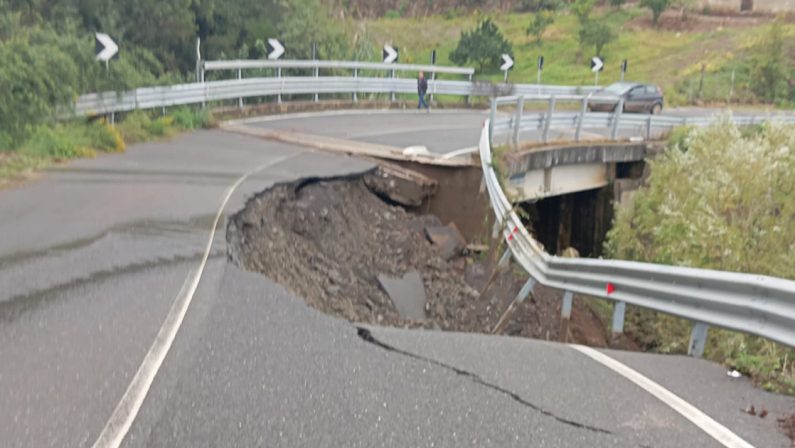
{"x": 656, "y": 109}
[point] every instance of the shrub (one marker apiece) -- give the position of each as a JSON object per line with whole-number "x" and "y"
{"x": 540, "y": 22}
{"x": 723, "y": 203}
{"x": 483, "y": 46}
{"x": 60, "y": 142}
{"x": 657, "y": 7}
{"x": 134, "y": 127}
{"x": 596, "y": 34}
{"x": 187, "y": 118}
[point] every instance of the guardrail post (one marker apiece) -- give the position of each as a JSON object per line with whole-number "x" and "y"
{"x": 239, "y": 77}
{"x": 581, "y": 118}
{"x": 466, "y": 98}
{"x": 698, "y": 338}
{"x": 616, "y": 118}
{"x": 392, "y": 88}
{"x": 565, "y": 316}
{"x": 619, "y": 310}
{"x": 648, "y": 128}
{"x": 317, "y": 74}
{"x": 517, "y": 120}
{"x": 355, "y": 76}
{"x": 548, "y": 121}
{"x": 492, "y": 116}
{"x": 279, "y": 75}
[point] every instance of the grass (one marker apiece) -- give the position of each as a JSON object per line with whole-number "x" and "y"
{"x": 671, "y": 59}
{"x": 54, "y": 143}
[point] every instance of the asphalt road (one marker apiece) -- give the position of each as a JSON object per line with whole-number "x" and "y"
{"x": 95, "y": 253}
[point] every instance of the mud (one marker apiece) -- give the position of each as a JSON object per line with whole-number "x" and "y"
{"x": 329, "y": 241}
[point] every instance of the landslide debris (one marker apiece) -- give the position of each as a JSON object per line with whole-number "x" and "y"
{"x": 342, "y": 243}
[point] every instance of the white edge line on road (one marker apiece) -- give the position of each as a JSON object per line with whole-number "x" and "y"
{"x": 337, "y": 113}
{"x": 124, "y": 415}
{"x": 459, "y": 152}
{"x": 704, "y": 422}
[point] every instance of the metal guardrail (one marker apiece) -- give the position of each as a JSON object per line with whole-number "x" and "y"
{"x": 645, "y": 125}
{"x": 347, "y": 65}
{"x": 755, "y": 304}
{"x": 240, "y": 88}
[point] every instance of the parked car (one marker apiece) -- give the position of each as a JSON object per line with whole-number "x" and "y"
{"x": 640, "y": 98}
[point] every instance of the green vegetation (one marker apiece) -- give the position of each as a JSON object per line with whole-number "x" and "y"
{"x": 481, "y": 46}
{"x": 596, "y": 34}
{"x": 657, "y": 7}
{"x": 670, "y": 58}
{"x": 51, "y": 143}
{"x": 721, "y": 198}
{"x": 541, "y": 21}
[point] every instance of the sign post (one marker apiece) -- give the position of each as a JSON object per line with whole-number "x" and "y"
{"x": 540, "y": 68}
{"x": 597, "y": 65}
{"x": 623, "y": 69}
{"x": 433, "y": 74}
{"x": 507, "y": 64}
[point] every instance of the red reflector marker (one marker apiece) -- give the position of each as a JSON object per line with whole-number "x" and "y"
{"x": 611, "y": 288}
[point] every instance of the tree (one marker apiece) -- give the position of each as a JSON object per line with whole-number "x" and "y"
{"x": 306, "y": 22}
{"x": 538, "y": 5}
{"x": 482, "y": 46}
{"x": 768, "y": 71}
{"x": 541, "y": 20}
{"x": 597, "y": 34}
{"x": 657, "y": 7}
{"x": 583, "y": 9}
{"x": 617, "y": 3}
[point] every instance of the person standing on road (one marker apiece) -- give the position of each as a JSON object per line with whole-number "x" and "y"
{"x": 422, "y": 89}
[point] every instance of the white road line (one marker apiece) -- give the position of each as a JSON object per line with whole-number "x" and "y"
{"x": 704, "y": 422}
{"x": 459, "y": 152}
{"x": 123, "y": 416}
{"x": 337, "y": 113}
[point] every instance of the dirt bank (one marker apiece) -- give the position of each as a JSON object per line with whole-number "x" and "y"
{"x": 330, "y": 240}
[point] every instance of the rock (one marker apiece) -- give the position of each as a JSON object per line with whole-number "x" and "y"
{"x": 407, "y": 294}
{"x": 400, "y": 185}
{"x": 447, "y": 238}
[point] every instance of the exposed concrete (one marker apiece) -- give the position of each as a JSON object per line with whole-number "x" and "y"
{"x": 407, "y": 294}
{"x": 573, "y": 154}
{"x": 338, "y": 145}
{"x": 400, "y": 185}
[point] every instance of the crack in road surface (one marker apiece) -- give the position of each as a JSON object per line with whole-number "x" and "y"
{"x": 367, "y": 336}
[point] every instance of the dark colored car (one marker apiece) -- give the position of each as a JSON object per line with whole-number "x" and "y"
{"x": 640, "y": 98}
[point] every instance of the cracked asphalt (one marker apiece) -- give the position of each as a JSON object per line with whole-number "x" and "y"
{"x": 94, "y": 253}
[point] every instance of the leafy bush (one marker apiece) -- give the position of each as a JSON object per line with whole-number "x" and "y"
{"x": 102, "y": 136}
{"x": 768, "y": 78}
{"x": 538, "y": 5}
{"x": 596, "y": 34}
{"x": 187, "y": 118}
{"x": 135, "y": 127}
{"x": 541, "y": 20}
{"x": 392, "y": 14}
{"x": 724, "y": 203}
{"x": 657, "y": 7}
{"x": 60, "y": 142}
{"x": 483, "y": 46}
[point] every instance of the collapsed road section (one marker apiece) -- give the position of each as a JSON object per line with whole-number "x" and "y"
{"x": 360, "y": 248}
